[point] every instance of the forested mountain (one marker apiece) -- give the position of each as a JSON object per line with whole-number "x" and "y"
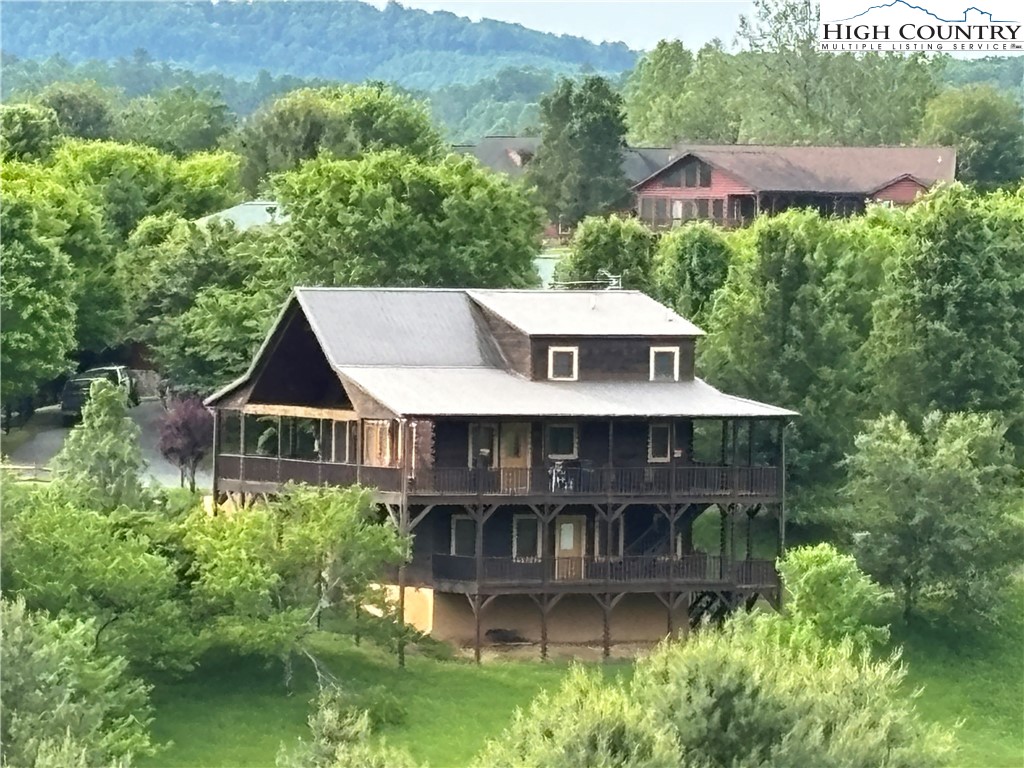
{"x": 347, "y": 41}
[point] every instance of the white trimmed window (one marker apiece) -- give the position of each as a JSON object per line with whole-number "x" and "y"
{"x": 659, "y": 447}
{"x": 601, "y": 538}
{"x": 526, "y": 537}
{"x": 563, "y": 441}
{"x": 463, "y": 540}
{"x": 563, "y": 363}
{"x": 664, "y": 363}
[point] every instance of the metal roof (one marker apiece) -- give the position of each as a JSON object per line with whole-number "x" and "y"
{"x": 838, "y": 170}
{"x": 494, "y": 392}
{"x": 253, "y": 213}
{"x": 397, "y": 327}
{"x": 585, "y": 313}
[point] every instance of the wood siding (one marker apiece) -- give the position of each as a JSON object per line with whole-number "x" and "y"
{"x": 613, "y": 359}
{"x": 902, "y": 192}
{"x": 513, "y": 343}
{"x": 722, "y": 185}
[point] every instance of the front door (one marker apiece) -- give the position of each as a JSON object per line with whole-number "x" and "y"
{"x": 570, "y": 547}
{"x": 514, "y": 457}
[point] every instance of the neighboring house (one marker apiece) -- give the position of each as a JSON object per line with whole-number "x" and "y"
{"x": 732, "y": 183}
{"x": 549, "y": 451}
{"x": 253, "y": 213}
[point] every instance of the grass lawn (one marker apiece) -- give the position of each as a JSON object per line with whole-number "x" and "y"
{"x": 238, "y": 714}
{"x": 976, "y": 678}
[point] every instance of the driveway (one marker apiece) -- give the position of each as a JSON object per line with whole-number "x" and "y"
{"x": 44, "y": 437}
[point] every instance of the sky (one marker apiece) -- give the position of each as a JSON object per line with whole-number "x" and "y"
{"x": 639, "y": 24}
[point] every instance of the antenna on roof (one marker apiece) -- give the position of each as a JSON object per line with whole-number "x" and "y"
{"x": 607, "y": 281}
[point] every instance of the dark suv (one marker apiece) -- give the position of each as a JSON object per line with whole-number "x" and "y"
{"x": 76, "y": 391}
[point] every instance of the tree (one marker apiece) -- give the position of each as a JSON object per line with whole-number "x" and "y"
{"x": 178, "y": 121}
{"x": 205, "y": 182}
{"x": 186, "y": 437}
{"x": 948, "y": 331}
{"x": 27, "y": 131}
{"x": 745, "y": 696}
{"x": 828, "y": 596}
{"x": 83, "y": 109}
{"x": 36, "y": 290}
{"x": 77, "y": 228}
{"x": 793, "y": 94}
{"x": 344, "y": 121}
{"x": 690, "y": 265}
{"x": 791, "y": 321}
{"x": 612, "y": 246}
{"x": 578, "y": 167}
{"x": 391, "y": 219}
{"x": 63, "y": 698}
{"x": 932, "y": 513}
{"x": 986, "y": 128}
{"x": 260, "y": 580}
{"x": 100, "y": 465}
{"x": 104, "y": 568}
{"x": 132, "y": 181}
{"x": 584, "y": 723}
{"x": 651, "y": 96}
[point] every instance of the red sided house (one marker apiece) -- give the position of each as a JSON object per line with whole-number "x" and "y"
{"x": 563, "y": 473}
{"x": 732, "y": 184}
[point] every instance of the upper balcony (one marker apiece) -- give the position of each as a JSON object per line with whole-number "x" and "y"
{"x": 668, "y": 483}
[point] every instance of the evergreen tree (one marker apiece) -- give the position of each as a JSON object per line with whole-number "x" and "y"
{"x": 578, "y": 168}
{"x": 101, "y": 465}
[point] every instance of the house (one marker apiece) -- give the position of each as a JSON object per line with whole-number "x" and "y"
{"x": 551, "y": 452}
{"x": 731, "y": 184}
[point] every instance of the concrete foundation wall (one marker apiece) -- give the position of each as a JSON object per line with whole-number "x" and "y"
{"x": 575, "y": 619}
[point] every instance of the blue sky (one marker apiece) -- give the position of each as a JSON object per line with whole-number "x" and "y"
{"x": 639, "y": 24}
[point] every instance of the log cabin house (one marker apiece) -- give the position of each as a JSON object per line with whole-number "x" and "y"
{"x": 550, "y": 452}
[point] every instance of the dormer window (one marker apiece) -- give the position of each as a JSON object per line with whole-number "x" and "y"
{"x": 563, "y": 363}
{"x": 664, "y": 363}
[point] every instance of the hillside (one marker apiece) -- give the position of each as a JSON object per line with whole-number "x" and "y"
{"x": 338, "y": 40}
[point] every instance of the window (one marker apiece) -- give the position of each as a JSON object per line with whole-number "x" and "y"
{"x": 702, "y": 208}
{"x": 664, "y": 363}
{"x": 483, "y": 445}
{"x": 562, "y": 442}
{"x": 658, "y": 448}
{"x": 647, "y": 209}
{"x": 689, "y": 210}
{"x": 378, "y": 447}
{"x": 463, "y": 536}
{"x": 661, "y": 211}
{"x": 673, "y": 179}
{"x": 230, "y": 432}
{"x": 601, "y": 538}
{"x": 704, "y": 175}
{"x": 525, "y": 537}
{"x": 690, "y": 175}
{"x": 563, "y": 364}
{"x": 717, "y": 209}
{"x": 341, "y": 443}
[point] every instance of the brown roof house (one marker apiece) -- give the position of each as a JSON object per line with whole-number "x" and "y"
{"x": 549, "y": 451}
{"x": 731, "y": 184}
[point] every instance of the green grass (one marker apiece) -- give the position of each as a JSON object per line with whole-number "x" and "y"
{"x": 974, "y": 677}
{"x": 238, "y": 714}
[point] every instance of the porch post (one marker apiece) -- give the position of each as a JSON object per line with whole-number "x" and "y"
{"x": 241, "y": 447}
{"x": 216, "y": 451}
{"x": 721, "y": 542}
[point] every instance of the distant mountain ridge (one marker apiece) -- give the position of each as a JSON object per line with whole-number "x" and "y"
{"x": 333, "y": 39}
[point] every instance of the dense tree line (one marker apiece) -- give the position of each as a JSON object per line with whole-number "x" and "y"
{"x": 340, "y": 41}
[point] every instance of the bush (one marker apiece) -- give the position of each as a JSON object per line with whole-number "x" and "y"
{"x": 65, "y": 702}
{"x": 585, "y": 723}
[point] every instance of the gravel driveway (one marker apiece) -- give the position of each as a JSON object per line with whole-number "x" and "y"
{"x": 47, "y": 437}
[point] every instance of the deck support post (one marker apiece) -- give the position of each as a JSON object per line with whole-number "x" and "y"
{"x": 545, "y": 602}
{"x": 607, "y": 602}
{"x": 723, "y": 515}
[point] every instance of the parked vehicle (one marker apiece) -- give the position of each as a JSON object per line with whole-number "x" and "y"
{"x": 76, "y": 391}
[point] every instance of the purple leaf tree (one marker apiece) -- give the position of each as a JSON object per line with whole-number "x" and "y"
{"x": 186, "y": 437}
